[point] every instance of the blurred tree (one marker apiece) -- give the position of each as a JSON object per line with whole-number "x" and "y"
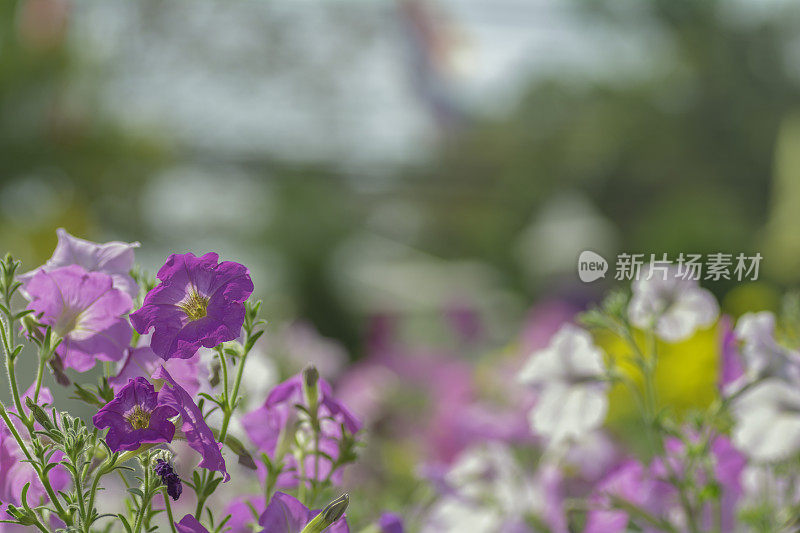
{"x": 679, "y": 160}
{"x": 61, "y": 163}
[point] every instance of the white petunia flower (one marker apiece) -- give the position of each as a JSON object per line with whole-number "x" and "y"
{"x": 674, "y": 305}
{"x": 762, "y": 356}
{"x": 767, "y": 419}
{"x": 489, "y": 491}
{"x": 570, "y": 376}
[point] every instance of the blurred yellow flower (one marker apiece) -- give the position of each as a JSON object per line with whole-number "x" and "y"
{"x": 685, "y": 376}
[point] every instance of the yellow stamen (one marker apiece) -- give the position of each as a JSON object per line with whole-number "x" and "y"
{"x": 194, "y": 306}
{"x": 138, "y": 418}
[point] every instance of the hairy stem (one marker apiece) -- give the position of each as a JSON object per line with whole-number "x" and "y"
{"x": 169, "y": 510}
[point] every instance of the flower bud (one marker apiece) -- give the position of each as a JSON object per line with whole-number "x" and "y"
{"x": 311, "y": 385}
{"x": 39, "y": 414}
{"x": 335, "y": 510}
{"x": 169, "y": 477}
{"x": 328, "y": 516}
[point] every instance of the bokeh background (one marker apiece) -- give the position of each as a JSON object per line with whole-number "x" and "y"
{"x": 433, "y": 165}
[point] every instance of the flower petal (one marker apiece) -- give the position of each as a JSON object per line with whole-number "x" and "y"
{"x": 198, "y": 434}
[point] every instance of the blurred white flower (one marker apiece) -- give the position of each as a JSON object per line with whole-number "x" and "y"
{"x": 453, "y": 514}
{"x": 569, "y": 374}
{"x": 489, "y": 491}
{"x": 767, "y": 420}
{"x": 673, "y": 304}
{"x": 761, "y": 354}
{"x": 765, "y": 488}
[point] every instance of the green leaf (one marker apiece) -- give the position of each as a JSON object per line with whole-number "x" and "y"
{"x": 125, "y": 523}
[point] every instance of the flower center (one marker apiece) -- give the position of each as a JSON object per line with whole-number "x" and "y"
{"x": 67, "y": 321}
{"x": 138, "y": 418}
{"x": 195, "y": 306}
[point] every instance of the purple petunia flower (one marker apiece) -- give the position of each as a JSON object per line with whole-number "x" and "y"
{"x": 136, "y": 415}
{"x": 113, "y": 258}
{"x": 85, "y": 310}
{"x": 199, "y": 302}
{"x": 241, "y": 513}
{"x": 648, "y": 488}
{"x": 285, "y": 514}
{"x": 630, "y": 482}
{"x": 189, "y": 524}
{"x": 194, "y": 427}
{"x": 390, "y": 523}
{"x": 266, "y": 425}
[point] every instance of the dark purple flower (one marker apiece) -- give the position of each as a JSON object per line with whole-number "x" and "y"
{"x": 189, "y": 524}
{"x": 390, "y": 523}
{"x": 113, "y": 258}
{"x": 266, "y": 424}
{"x": 199, "y": 302}
{"x": 285, "y": 514}
{"x": 85, "y": 310}
{"x": 136, "y": 415}
{"x": 169, "y": 478}
{"x": 193, "y": 425}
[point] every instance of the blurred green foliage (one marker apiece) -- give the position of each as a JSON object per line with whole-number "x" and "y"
{"x": 678, "y": 159}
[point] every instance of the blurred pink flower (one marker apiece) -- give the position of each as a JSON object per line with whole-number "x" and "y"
{"x": 267, "y": 425}
{"x": 242, "y": 517}
{"x": 113, "y": 258}
{"x": 143, "y": 362}
{"x": 15, "y": 471}
{"x": 731, "y": 369}
{"x": 648, "y": 488}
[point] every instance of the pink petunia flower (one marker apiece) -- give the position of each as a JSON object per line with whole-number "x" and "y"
{"x": 113, "y": 258}
{"x": 15, "y": 471}
{"x": 266, "y": 425}
{"x": 85, "y": 310}
{"x": 143, "y": 362}
{"x": 241, "y": 513}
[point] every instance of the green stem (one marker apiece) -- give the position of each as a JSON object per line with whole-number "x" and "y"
{"x": 39, "y": 377}
{"x": 227, "y": 410}
{"x": 201, "y": 495}
{"x": 12, "y": 382}
{"x": 648, "y": 369}
{"x": 301, "y": 487}
{"x": 79, "y": 492}
{"x": 237, "y": 382}
{"x": 269, "y": 486}
{"x": 137, "y": 527}
{"x": 101, "y": 471}
{"x": 169, "y": 510}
